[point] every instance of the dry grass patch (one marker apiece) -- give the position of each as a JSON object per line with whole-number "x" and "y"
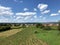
{"x": 9, "y": 32}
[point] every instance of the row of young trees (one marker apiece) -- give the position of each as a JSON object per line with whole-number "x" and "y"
{"x": 47, "y": 27}
{"x": 4, "y": 27}
{"x": 59, "y": 26}
{"x": 43, "y": 27}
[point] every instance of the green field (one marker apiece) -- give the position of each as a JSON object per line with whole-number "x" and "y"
{"x": 52, "y": 37}
{"x": 24, "y": 37}
{"x": 32, "y": 36}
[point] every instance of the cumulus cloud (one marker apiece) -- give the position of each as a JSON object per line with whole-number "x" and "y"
{"x": 58, "y": 11}
{"x": 18, "y": 1}
{"x": 31, "y": 19}
{"x": 42, "y": 7}
{"x": 5, "y": 11}
{"x": 55, "y": 14}
{"x": 4, "y": 20}
{"x": 21, "y": 1}
{"x": 35, "y": 16}
{"x": 26, "y": 13}
{"x": 40, "y": 16}
{"x": 45, "y": 12}
{"x": 26, "y": 9}
{"x": 35, "y": 9}
{"x": 19, "y": 17}
{"x": 26, "y": 18}
{"x": 44, "y": 18}
{"x": 15, "y": 0}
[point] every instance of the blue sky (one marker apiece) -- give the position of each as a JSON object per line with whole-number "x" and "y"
{"x": 17, "y": 11}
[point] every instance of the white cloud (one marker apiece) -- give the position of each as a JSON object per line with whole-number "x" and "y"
{"x": 40, "y": 16}
{"x": 35, "y": 16}
{"x": 26, "y": 13}
{"x": 31, "y": 19}
{"x": 58, "y": 11}
{"x": 26, "y": 18}
{"x": 5, "y": 11}
{"x": 18, "y": 17}
{"x": 4, "y": 20}
{"x": 44, "y": 18}
{"x": 42, "y": 7}
{"x": 21, "y": 1}
{"x": 14, "y": 16}
{"x": 55, "y": 14}
{"x": 15, "y": 0}
{"x": 26, "y": 9}
{"x": 45, "y": 12}
{"x": 18, "y": 1}
{"x": 35, "y": 9}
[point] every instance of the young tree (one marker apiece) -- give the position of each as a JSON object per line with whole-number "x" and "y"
{"x": 23, "y": 25}
{"x": 59, "y": 25}
{"x": 47, "y": 27}
{"x": 39, "y": 25}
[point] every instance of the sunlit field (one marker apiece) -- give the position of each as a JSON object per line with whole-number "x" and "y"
{"x": 30, "y": 36}
{"x": 29, "y": 22}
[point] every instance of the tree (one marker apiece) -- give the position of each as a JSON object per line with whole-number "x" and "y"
{"x": 39, "y": 25}
{"x": 59, "y": 25}
{"x": 47, "y": 28}
{"x": 23, "y": 25}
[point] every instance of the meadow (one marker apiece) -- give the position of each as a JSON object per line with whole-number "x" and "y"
{"x": 30, "y": 36}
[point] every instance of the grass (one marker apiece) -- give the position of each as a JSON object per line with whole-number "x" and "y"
{"x": 25, "y": 37}
{"x": 9, "y": 32}
{"x": 52, "y": 37}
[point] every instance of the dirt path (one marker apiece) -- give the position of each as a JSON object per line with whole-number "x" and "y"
{"x": 9, "y": 32}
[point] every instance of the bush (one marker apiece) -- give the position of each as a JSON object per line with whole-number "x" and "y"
{"x": 59, "y": 26}
{"x": 36, "y": 32}
{"x": 47, "y": 28}
{"x": 23, "y": 25}
{"x": 4, "y": 28}
{"x": 39, "y": 25}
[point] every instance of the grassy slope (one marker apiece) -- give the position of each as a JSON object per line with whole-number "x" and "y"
{"x": 25, "y": 37}
{"x": 52, "y": 37}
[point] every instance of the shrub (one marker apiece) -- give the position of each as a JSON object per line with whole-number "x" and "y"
{"x": 39, "y": 25}
{"x": 4, "y": 28}
{"x": 23, "y": 25}
{"x": 47, "y": 28}
{"x": 59, "y": 26}
{"x": 36, "y": 32}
